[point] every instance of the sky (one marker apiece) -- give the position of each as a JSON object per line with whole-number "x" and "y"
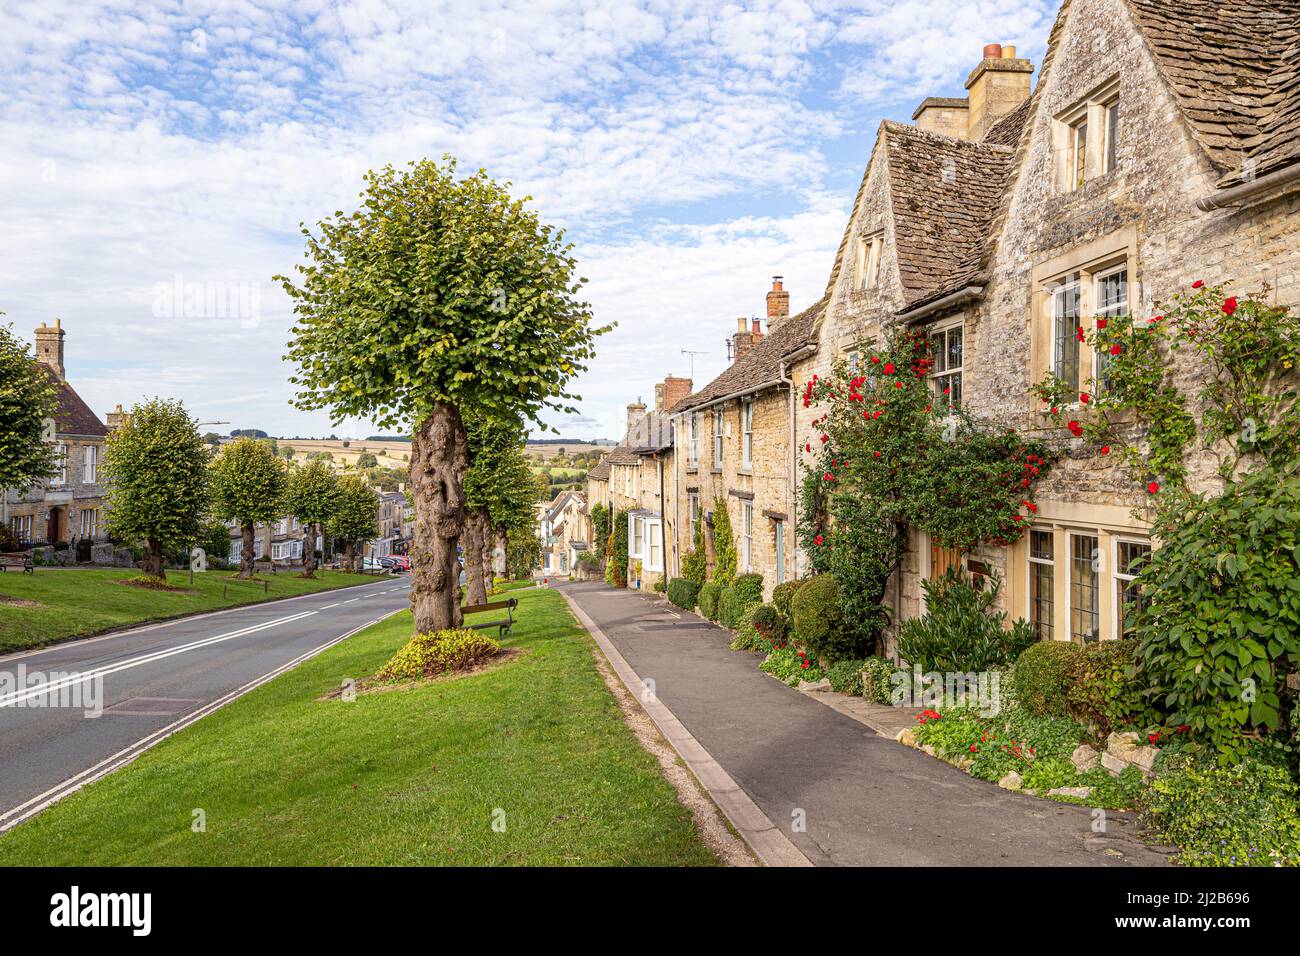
{"x": 156, "y": 161}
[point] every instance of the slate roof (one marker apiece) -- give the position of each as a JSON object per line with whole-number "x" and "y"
{"x": 74, "y": 416}
{"x": 650, "y": 433}
{"x": 622, "y": 455}
{"x": 1234, "y": 68}
{"x": 944, "y": 192}
{"x": 761, "y": 365}
{"x": 601, "y": 470}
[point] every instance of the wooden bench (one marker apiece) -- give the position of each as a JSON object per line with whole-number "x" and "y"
{"x": 505, "y": 628}
{"x": 17, "y": 559}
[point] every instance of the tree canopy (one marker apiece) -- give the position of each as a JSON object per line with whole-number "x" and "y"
{"x": 248, "y": 484}
{"x": 28, "y": 401}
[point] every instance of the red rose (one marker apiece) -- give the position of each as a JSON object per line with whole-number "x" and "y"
{"x": 825, "y": 439}
{"x": 889, "y": 368}
{"x": 1230, "y": 305}
{"x": 805, "y": 665}
{"x": 1085, "y": 398}
{"x": 1078, "y": 333}
{"x": 1105, "y": 449}
{"x": 1055, "y": 410}
{"x": 828, "y": 477}
{"x": 817, "y": 540}
{"x": 876, "y": 453}
{"x": 1115, "y": 349}
{"x": 1154, "y": 738}
{"x": 807, "y": 446}
{"x": 1197, "y": 284}
{"x": 1153, "y": 487}
{"x": 1101, "y": 323}
{"x": 974, "y": 749}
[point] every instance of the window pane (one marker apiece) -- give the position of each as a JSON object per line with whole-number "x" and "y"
{"x": 1040, "y": 600}
{"x": 954, "y": 347}
{"x": 1066, "y": 322}
{"x": 1080, "y": 152}
{"x": 1084, "y": 619}
{"x": 1112, "y": 134}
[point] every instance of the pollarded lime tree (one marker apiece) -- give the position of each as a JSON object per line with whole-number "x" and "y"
{"x": 439, "y": 295}
{"x": 356, "y": 516}
{"x": 28, "y": 401}
{"x": 311, "y": 495}
{"x": 248, "y": 483}
{"x": 498, "y": 486}
{"x": 156, "y": 470}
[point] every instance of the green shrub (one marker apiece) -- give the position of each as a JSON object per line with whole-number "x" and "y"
{"x": 876, "y": 675}
{"x": 695, "y": 562}
{"x": 1101, "y": 685}
{"x": 819, "y": 621}
{"x": 1041, "y": 677}
{"x": 846, "y": 676}
{"x": 708, "y": 598}
{"x": 659, "y": 586}
{"x": 724, "y": 548}
{"x": 961, "y": 631}
{"x": 427, "y": 655}
{"x": 748, "y": 638}
{"x": 791, "y": 666}
{"x": 1246, "y": 815}
{"x": 683, "y": 593}
{"x": 738, "y": 597}
{"x": 783, "y": 594}
{"x": 768, "y": 622}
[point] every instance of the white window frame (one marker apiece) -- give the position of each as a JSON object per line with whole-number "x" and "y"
{"x": 61, "y": 462}
{"x": 90, "y": 464}
{"x": 1029, "y": 580}
{"x": 1110, "y": 134}
{"x": 1084, "y": 142}
{"x": 21, "y": 527}
{"x": 89, "y": 519}
{"x": 870, "y": 247}
{"x": 692, "y": 516}
{"x": 653, "y": 543}
{"x": 778, "y": 536}
{"x": 635, "y": 536}
{"x": 936, "y": 375}
{"x": 747, "y": 433}
{"x": 695, "y": 439}
{"x": 1119, "y": 575}
{"x": 718, "y": 420}
{"x": 1098, "y": 572}
{"x": 1099, "y": 311}
{"x": 1071, "y": 282}
{"x": 747, "y": 534}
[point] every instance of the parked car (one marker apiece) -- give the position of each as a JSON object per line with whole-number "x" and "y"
{"x": 385, "y": 561}
{"x": 401, "y": 563}
{"x": 372, "y": 564}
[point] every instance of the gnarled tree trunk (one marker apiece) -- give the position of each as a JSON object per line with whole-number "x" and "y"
{"x": 488, "y": 568}
{"x": 437, "y": 481}
{"x": 152, "y": 565}
{"x": 246, "y": 556}
{"x": 309, "y": 551}
{"x": 501, "y": 554}
{"x": 471, "y": 543}
{"x": 350, "y": 555}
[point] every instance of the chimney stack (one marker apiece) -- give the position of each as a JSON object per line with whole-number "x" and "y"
{"x": 778, "y": 304}
{"x": 635, "y": 412}
{"x": 995, "y": 87}
{"x": 116, "y": 417}
{"x": 671, "y": 391}
{"x": 49, "y": 347}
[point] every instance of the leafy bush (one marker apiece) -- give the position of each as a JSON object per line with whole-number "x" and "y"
{"x": 1041, "y": 677}
{"x": 748, "y": 638}
{"x": 659, "y": 586}
{"x": 791, "y": 666}
{"x": 695, "y": 562}
{"x": 819, "y": 620}
{"x": 738, "y": 597}
{"x": 1101, "y": 685}
{"x": 1223, "y": 608}
{"x": 1245, "y": 815}
{"x": 783, "y": 594}
{"x": 427, "y": 655}
{"x": 846, "y": 676}
{"x": 768, "y": 622}
{"x": 683, "y": 593}
{"x": 708, "y": 598}
{"x": 960, "y": 630}
{"x": 876, "y": 680}
{"x": 724, "y": 571}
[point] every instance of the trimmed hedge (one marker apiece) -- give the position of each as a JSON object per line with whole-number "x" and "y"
{"x": 1101, "y": 685}
{"x": 819, "y": 620}
{"x": 738, "y": 597}
{"x": 783, "y": 594}
{"x": 684, "y": 593}
{"x": 1042, "y": 677}
{"x": 768, "y": 622}
{"x": 877, "y": 685}
{"x": 708, "y": 599}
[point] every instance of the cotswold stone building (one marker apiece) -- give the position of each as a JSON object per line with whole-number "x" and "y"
{"x": 735, "y": 445}
{"x": 69, "y": 507}
{"x": 1160, "y": 145}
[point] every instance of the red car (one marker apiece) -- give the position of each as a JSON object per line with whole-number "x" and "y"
{"x": 401, "y": 562}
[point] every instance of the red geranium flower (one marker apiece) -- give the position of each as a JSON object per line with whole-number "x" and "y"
{"x": 817, "y": 540}
{"x": 1154, "y": 738}
{"x": 974, "y": 749}
{"x": 1153, "y": 487}
{"x": 1105, "y": 449}
{"x": 889, "y": 368}
{"x": 1230, "y": 305}
{"x": 1078, "y": 333}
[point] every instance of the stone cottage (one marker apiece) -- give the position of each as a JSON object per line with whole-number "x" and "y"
{"x": 68, "y": 508}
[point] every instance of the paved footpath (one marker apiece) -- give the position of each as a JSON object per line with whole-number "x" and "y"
{"x": 866, "y": 799}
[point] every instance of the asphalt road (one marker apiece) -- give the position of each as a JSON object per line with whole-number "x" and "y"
{"x": 149, "y": 681}
{"x": 859, "y": 799}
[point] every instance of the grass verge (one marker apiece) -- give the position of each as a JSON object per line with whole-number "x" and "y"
{"x": 406, "y": 777}
{"x": 58, "y": 605}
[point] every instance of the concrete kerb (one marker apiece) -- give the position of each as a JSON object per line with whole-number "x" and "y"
{"x": 768, "y": 842}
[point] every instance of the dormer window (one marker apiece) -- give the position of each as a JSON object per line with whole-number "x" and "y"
{"x": 1087, "y": 138}
{"x": 867, "y": 266}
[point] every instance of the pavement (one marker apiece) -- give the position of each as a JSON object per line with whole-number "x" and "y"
{"x": 151, "y": 681}
{"x": 841, "y": 793}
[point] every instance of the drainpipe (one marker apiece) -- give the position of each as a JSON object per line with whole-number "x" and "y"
{"x": 663, "y": 522}
{"x": 794, "y": 455}
{"x": 1221, "y": 198}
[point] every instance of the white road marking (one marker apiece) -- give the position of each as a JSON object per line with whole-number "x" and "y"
{"x": 46, "y": 687}
{"x": 25, "y": 811}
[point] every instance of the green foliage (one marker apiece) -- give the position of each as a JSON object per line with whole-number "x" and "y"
{"x": 438, "y": 289}
{"x": 1041, "y": 677}
{"x": 616, "y": 563}
{"x": 1102, "y": 685}
{"x": 498, "y": 479}
{"x": 846, "y": 676}
{"x": 790, "y": 665}
{"x": 961, "y": 630}
{"x": 428, "y": 655}
{"x": 1244, "y": 815}
{"x": 156, "y": 469}
{"x": 891, "y": 457}
{"x": 783, "y": 594}
{"x": 683, "y": 593}
{"x": 768, "y": 622}
{"x": 356, "y": 514}
{"x": 659, "y": 586}
{"x": 724, "y": 546}
{"x": 600, "y": 518}
{"x": 876, "y": 674}
{"x": 312, "y": 493}
{"x": 367, "y": 459}
{"x": 214, "y": 539}
{"x": 709, "y": 596}
{"x": 737, "y": 598}
{"x": 819, "y": 624}
{"x": 748, "y": 638}
{"x": 247, "y": 483}
{"x": 28, "y": 400}
{"x": 695, "y": 562}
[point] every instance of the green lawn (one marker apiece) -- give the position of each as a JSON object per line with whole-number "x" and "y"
{"x": 407, "y": 777}
{"x": 78, "y": 603}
